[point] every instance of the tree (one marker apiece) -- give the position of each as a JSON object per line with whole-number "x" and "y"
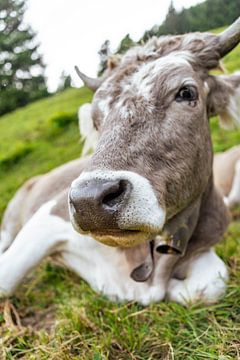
{"x": 125, "y": 44}
{"x": 148, "y": 34}
{"x": 21, "y": 67}
{"x": 65, "y": 82}
{"x": 205, "y": 16}
{"x": 171, "y": 21}
{"x": 104, "y": 54}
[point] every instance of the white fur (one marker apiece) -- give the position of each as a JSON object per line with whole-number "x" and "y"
{"x": 145, "y": 78}
{"x": 5, "y": 241}
{"x": 105, "y": 268}
{"x": 234, "y": 195}
{"x": 142, "y": 207}
{"x": 205, "y": 281}
{"x": 124, "y": 112}
{"x": 87, "y": 129}
{"x": 107, "y": 271}
{"x": 38, "y": 238}
{"x": 104, "y": 106}
{"x": 206, "y": 88}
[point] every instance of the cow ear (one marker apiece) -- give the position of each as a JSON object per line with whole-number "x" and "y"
{"x": 87, "y": 129}
{"x": 224, "y": 99}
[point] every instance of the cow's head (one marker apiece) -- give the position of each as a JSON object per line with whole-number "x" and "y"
{"x": 154, "y": 154}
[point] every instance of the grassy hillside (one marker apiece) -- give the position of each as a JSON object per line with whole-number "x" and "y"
{"x": 34, "y": 139}
{"x": 55, "y": 315}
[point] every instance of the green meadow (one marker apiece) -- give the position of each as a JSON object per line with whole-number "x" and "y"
{"x": 55, "y": 314}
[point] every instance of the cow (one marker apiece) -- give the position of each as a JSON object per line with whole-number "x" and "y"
{"x": 226, "y": 169}
{"x": 139, "y": 218}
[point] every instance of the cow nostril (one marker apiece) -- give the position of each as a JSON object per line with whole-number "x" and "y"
{"x": 116, "y": 195}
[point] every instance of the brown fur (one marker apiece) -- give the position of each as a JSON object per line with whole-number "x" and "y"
{"x": 55, "y": 183}
{"x": 166, "y": 141}
{"x": 33, "y": 195}
{"x": 213, "y": 221}
{"x": 145, "y": 130}
{"x": 38, "y": 191}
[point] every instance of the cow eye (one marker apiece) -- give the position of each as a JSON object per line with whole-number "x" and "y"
{"x": 187, "y": 93}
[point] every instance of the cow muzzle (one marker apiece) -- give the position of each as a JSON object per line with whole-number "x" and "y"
{"x": 118, "y": 208}
{"x": 97, "y": 203}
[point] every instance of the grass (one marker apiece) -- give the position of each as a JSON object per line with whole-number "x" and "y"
{"x": 37, "y": 138}
{"x": 54, "y": 314}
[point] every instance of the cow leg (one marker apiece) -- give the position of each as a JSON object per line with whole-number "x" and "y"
{"x": 234, "y": 196}
{"x": 205, "y": 281}
{"x": 43, "y": 235}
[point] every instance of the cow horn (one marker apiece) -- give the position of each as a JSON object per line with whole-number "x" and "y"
{"x": 229, "y": 38}
{"x": 91, "y": 83}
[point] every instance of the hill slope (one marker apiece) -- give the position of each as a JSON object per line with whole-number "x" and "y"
{"x": 85, "y": 325}
{"x": 37, "y": 138}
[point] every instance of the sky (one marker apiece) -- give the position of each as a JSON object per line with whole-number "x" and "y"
{"x": 71, "y": 32}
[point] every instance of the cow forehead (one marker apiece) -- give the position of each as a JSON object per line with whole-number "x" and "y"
{"x": 147, "y": 71}
{"x": 167, "y": 68}
{"x": 164, "y": 63}
{"x": 140, "y": 80}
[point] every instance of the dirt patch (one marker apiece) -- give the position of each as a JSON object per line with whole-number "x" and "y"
{"x": 42, "y": 319}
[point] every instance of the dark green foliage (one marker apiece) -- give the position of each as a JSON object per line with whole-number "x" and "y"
{"x": 125, "y": 44}
{"x": 59, "y": 122}
{"x": 65, "y": 82}
{"x": 201, "y": 17}
{"x": 20, "y": 151}
{"x": 171, "y": 20}
{"x": 21, "y": 68}
{"x": 103, "y": 53}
